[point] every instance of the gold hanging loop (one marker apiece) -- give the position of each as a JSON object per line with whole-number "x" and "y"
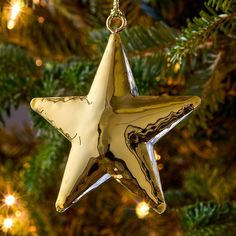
{"x": 116, "y": 14}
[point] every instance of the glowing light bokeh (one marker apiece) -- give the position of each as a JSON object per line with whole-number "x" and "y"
{"x": 142, "y": 209}
{"x": 10, "y": 200}
{"x": 7, "y": 223}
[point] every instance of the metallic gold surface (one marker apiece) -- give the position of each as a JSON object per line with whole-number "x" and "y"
{"x": 116, "y": 14}
{"x": 112, "y": 131}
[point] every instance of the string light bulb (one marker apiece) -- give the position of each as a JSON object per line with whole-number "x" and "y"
{"x": 11, "y": 24}
{"x": 157, "y": 156}
{"x": 177, "y": 67}
{"x": 15, "y": 11}
{"x": 41, "y": 19}
{"x": 10, "y": 200}
{"x": 142, "y": 209}
{"x": 36, "y": 2}
{"x": 7, "y": 223}
{"x": 38, "y": 62}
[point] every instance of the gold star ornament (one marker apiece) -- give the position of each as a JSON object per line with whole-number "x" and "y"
{"x": 112, "y": 131}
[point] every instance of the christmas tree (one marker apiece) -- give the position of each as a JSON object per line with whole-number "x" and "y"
{"x": 181, "y": 47}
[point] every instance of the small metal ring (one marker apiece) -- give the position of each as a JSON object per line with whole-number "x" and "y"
{"x": 120, "y": 28}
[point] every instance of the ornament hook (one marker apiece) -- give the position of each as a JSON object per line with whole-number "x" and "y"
{"x": 116, "y": 14}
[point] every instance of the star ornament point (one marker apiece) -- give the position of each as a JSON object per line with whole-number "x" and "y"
{"x": 112, "y": 131}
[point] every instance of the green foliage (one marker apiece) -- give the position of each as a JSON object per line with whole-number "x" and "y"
{"x": 70, "y": 77}
{"x": 209, "y": 219}
{"x": 195, "y": 35}
{"x": 16, "y": 71}
{"x": 210, "y": 182}
{"x": 203, "y": 30}
{"x": 38, "y": 175}
{"x": 40, "y": 221}
{"x": 151, "y": 39}
{"x": 224, "y": 5}
{"x": 177, "y": 198}
{"x": 206, "y": 49}
{"x": 145, "y": 71}
{"x": 139, "y": 40}
{"x": 44, "y": 39}
{"x": 78, "y": 75}
{"x": 146, "y": 48}
{"x": 218, "y": 86}
{"x": 73, "y": 77}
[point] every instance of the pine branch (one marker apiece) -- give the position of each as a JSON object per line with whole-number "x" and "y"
{"x": 72, "y": 76}
{"x": 197, "y": 34}
{"x": 16, "y": 60}
{"x": 43, "y": 166}
{"x": 149, "y": 40}
{"x": 20, "y": 79}
{"x": 139, "y": 40}
{"x": 215, "y": 90}
{"x": 210, "y": 182}
{"x": 42, "y": 38}
{"x": 145, "y": 71}
{"x": 177, "y": 198}
{"x": 224, "y": 5}
{"x": 17, "y": 70}
{"x": 209, "y": 219}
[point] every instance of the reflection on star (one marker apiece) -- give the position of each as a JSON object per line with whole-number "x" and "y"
{"x": 112, "y": 131}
